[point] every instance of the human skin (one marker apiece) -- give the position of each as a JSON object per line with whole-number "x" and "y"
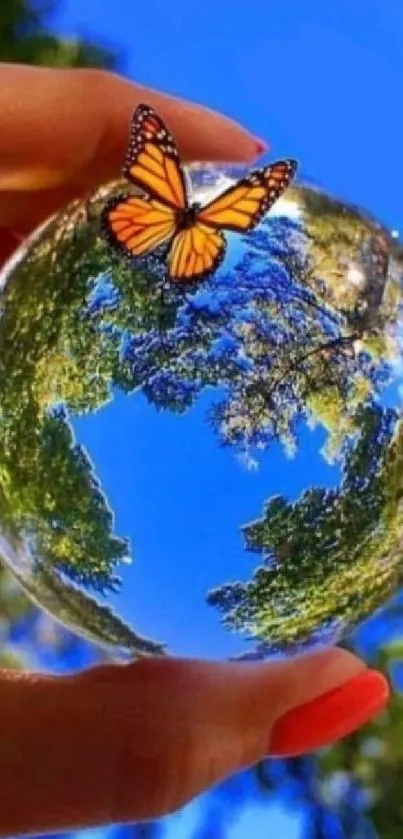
{"x": 123, "y": 743}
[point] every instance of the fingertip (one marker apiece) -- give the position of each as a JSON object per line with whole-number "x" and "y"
{"x": 261, "y": 147}
{"x": 214, "y": 138}
{"x": 329, "y": 717}
{"x": 204, "y": 134}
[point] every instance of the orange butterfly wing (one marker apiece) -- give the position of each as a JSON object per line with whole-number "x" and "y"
{"x": 195, "y": 251}
{"x": 242, "y": 206}
{"x": 200, "y": 249}
{"x": 152, "y": 160}
{"x": 137, "y": 225}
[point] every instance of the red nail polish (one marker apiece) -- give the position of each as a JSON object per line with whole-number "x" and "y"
{"x": 261, "y": 147}
{"x": 330, "y": 716}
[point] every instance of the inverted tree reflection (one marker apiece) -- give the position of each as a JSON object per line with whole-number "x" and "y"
{"x": 263, "y": 339}
{"x": 331, "y": 557}
{"x": 266, "y": 339}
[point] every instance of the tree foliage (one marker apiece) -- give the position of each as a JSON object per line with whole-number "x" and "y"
{"x": 77, "y": 323}
{"x": 331, "y": 557}
{"x": 53, "y": 498}
{"x": 25, "y": 38}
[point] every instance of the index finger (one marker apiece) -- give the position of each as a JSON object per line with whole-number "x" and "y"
{"x": 70, "y": 126}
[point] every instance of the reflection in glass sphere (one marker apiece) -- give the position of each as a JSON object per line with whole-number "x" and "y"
{"x": 211, "y": 469}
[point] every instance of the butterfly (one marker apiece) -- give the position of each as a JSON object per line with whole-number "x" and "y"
{"x": 137, "y": 224}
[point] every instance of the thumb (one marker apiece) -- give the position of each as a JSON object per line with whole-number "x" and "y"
{"x": 241, "y": 713}
{"x": 126, "y": 743}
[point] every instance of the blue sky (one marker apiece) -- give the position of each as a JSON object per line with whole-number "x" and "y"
{"x": 182, "y": 499}
{"x": 321, "y": 82}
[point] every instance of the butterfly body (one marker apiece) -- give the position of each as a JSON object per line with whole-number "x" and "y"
{"x": 188, "y": 217}
{"x": 163, "y": 213}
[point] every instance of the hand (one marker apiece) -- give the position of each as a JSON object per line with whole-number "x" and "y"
{"x": 133, "y": 742}
{"x": 63, "y": 132}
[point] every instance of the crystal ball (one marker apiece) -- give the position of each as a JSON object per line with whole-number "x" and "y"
{"x": 208, "y": 469}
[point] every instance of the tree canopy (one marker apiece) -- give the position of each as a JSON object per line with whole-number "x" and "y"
{"x": 261, "y": 337}
{"x": 331, "y": 557}
{"x": 25, "y": 38}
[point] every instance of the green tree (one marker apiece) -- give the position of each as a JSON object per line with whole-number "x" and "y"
{"x": 371, "y": 761}
{"x": 352, "y": 254}
{"x": 264, "y": 338}
{"x": 75, "y": 609}
{"x": 59, "y": 355}
{"x": 49, "y": 490}
{"x": 60, "y": 348}
{"x": 75, "y": 322}
{"x": 24, "y": 38}
{"x": 27, "y": 390}
{"x": 331, "y": 557}
{"x": 13, "y": 606}
{"x": 56, "y": 499}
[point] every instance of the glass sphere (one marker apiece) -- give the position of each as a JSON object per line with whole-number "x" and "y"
{"x": 205, "y": 469}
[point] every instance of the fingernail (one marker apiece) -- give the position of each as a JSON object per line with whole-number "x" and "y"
{"x": 261, "y": 146}
{"x": 331, "y": 716}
